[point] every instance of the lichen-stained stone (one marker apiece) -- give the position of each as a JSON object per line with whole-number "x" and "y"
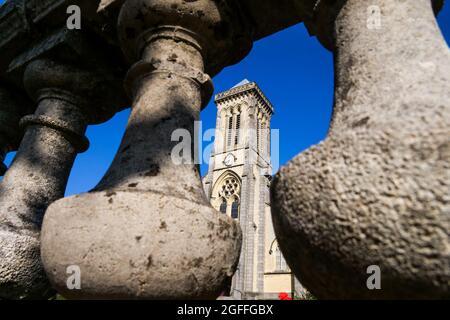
{"x": 147, "y": 231}
{"x": 54, "y": 134}
{"x": 376, "y": 190}
{"x": 13, "y": 107}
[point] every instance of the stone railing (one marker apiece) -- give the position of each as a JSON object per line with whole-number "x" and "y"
{"x": 375, "y": 192}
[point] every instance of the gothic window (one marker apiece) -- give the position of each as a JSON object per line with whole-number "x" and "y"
{"x": 230, "y": 130}
{"x": 261, "y": 138}
{"x": 223, "y": 206}
{"x": 227, "y": 191}
{"x": 230, "y": 187}
{"x": 281, "y": 264}
{"x": 262, "y": 125}
{"x": 235, "y": 209}
{"x": 258, "y": 133}
{"x": 278, "y": 257}
{"x": 238, "y": 126}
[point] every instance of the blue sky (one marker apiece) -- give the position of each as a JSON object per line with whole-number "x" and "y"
{"x": 292, "y": 69}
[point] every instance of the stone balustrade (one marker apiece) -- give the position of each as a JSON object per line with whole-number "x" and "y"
{"x": 54, "y": 134}
{"x": 12, "y": 108}
{"x": 375, "y": 192}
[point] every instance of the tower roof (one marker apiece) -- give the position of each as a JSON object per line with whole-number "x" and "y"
{"x": 242, "y": 88}
{"x": 243, "y": 82}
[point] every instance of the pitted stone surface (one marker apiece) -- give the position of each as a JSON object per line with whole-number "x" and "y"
{"x": 169, "y": 243}
{"x": 39, "y": 173}
{"x": 42, "y": 164}
{"x": 138, "y": 244}
{"x": 13, "y": 107}
{"x": 375, "y": 192}
{"x": 216, "y": 26}
{"x": 151, "y": 199}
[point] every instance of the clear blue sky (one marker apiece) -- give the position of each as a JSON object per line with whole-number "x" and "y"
{"x": 293, "y": 70}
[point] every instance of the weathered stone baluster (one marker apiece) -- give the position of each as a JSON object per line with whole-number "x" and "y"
{"x": 39, "y": 173}
{"x": 376, "y": 191}
{"x": 147, "y": 230}
{"x": 12, "y": 108}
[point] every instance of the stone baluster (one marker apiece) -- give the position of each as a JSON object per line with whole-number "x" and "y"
{"x": 12, "y": 108}
{"x": 38, "y": 176}
{"x": 375, "y": 192}
{"x": 147, "y": 231}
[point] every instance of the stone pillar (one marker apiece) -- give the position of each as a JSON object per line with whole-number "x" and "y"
{"x": 13, "y": 108}
{"x": 147, "y": 230}
{"x": 238, "y": 280}
{"x": 261, "y": 232}
{"x": 247, "y": 223}
{"x": 375, "y": 192}
{"x": 39, "y": 173}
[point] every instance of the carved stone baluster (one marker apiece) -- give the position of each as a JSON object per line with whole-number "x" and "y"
{"x": 12, "y": 108}
{"x": 147, "y": 230}
{"x": 39, "y": 173}
{"x": 376, "y": 191}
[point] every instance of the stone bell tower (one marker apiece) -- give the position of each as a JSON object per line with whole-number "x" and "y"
{"x": 237, "y": 184}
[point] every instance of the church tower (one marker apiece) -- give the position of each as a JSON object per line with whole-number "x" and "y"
{"x": 237, "y": 184}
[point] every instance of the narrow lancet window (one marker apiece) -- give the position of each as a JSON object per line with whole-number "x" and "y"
{"x": 230, "y": 130}
{"x": 235, "y": 209}
{"x": 238, "y": 127}
{"x": 223, "y": 206}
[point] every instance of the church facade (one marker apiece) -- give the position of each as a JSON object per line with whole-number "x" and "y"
{"x": 238, "y": 184}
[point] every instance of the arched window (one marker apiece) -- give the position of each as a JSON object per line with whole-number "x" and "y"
{"x": 235, "y": 209}
{"x": 281, "y": 264}
{"x": 258, "y": 135}
{"x": 227, "y": 190}
{"x": 238, "y": 127}
{"x": 230, "y": 130}
{"x": 223, "y": 206}
{"x": 278, "y": 257}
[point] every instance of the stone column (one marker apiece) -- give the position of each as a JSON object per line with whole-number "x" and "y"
{"x": 261, "y": 232}
{"x": 147, "y": 230}
{"x": 247, "y": 223}
{"x": 39, "y": 173}
{"x": 238, "y": 280}
{"x": 375, "y": 192}
{"x": 13, "y": 108}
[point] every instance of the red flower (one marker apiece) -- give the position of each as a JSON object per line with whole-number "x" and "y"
{"x": 284, "y": 296}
